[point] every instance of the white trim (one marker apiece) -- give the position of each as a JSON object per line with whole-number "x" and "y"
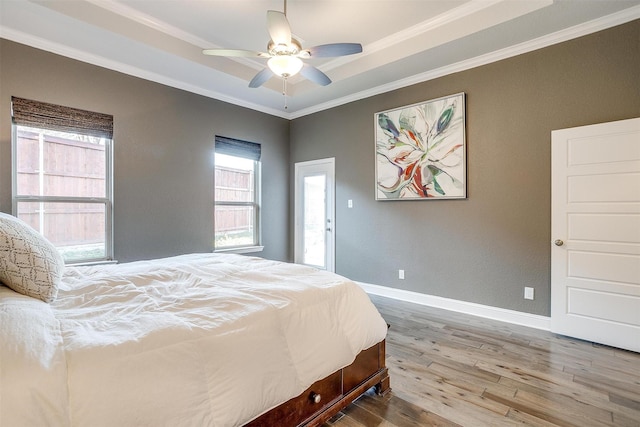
{"x": 90, "y": 263}
{"x": 167, "y": 29}
{"x": 480, "y": 310}
{"x": 574, "y": 32}
{"x": 63, "y": 50}
{"x": 599, "y": 24}
{"x": 420, "y": 28}
{"x": 151, "y": 22}
{"x": 242, "y": 250}
{"x": 453, "y": 15}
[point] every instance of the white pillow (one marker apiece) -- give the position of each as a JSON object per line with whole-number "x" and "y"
{"x": 29, "y": 263}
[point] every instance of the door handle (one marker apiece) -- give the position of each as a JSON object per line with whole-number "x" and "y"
{"x": 558, "y": 242}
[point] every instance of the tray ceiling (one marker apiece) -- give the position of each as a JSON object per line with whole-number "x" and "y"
{"x": 404, "y": 41}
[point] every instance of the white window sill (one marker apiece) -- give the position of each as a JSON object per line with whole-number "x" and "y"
{"x": 103, "y": 262}
{"x": 242, "y": 250}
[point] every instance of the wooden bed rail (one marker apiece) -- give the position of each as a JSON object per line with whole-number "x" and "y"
{"x": 328, "y": 396}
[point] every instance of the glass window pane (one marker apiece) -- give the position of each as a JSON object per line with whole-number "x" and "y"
{"x": 51, "y": 163}
{"x": 235, "y": 197}
{"x": 234, "y": 226}
{"x": 76, "y": 229}
{"x": 315, "y": 217}
{"x": 234, "y": 179}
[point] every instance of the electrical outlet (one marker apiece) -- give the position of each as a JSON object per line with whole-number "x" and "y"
{"x": 349, "y": 203}
{"x": 528, "y": 293}
{"x": 401, "y": 274}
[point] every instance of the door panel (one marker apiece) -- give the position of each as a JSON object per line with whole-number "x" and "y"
{"x": 603, "y": 266}
{"x": 603, "y": 148}
{"x": 314, "y": 241}
{"x": 595, "y": 222}
{"x": 595, "y": 305}
{"x": 314, "y": 213}
{"x": 612, "y": 187}
{"x": 604, "y": 227}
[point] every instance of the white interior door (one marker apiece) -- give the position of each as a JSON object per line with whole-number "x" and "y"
{"x": 595, "y": 225}
{"x": 315, "y": 213}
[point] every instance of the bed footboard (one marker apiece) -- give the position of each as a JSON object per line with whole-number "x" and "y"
{"x": 330, "y": 395}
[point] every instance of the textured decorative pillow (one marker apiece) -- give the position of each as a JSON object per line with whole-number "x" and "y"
{"x": 29, "y": 263}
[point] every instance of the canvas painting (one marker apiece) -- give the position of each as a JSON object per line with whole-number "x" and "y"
{"x": 421, "y": 151}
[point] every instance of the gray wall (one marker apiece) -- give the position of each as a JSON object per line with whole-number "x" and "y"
{"x": 484, "y": 249}
{"x": 163, "y": 144}
{"x": 487, "y": 248}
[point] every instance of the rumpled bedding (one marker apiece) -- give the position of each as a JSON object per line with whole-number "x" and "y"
{"x": 192, "y": 340}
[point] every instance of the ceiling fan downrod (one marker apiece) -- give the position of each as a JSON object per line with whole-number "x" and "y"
{"x": 284, "y": 92}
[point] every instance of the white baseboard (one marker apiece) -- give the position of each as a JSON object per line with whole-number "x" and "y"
{"x": 486, "y": 311}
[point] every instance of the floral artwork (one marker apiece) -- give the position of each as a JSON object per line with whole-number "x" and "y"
{"x": 420, "y": 151}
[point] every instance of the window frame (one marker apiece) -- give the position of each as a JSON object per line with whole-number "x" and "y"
{"x": 107, "y": 200}
{"x": 256, "y": 205}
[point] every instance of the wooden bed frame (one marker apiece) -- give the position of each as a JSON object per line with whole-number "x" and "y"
{"x": 330, "y": 395}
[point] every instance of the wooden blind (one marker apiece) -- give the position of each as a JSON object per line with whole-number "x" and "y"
{"x": 238, "y": 148}
{"x": 42, "y": 115}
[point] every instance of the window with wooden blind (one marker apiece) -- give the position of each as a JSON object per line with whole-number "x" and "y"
{"x": 62, "y": 177}
{"x": 237, "y": 195}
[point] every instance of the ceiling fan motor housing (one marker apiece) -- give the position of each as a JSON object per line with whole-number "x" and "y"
{"x": 290, "y": 49}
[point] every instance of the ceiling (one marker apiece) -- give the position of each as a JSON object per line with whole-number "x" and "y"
{"x": 404, "y": 41}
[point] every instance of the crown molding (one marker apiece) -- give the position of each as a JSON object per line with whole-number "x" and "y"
{"x": 59, "y": 49}
{"x": 151, "y": 22}
{"x": 574, "y": 32}
{"x": 165, "y": 28}
{"x": 399, "y": 37}
{"x": 580, "y": 30}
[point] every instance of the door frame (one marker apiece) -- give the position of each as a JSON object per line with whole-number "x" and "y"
{"x": 327, "y": 165}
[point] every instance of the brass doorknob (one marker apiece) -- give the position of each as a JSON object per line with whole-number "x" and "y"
{"x": 558, "y": 242}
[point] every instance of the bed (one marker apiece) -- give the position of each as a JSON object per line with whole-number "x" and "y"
{"x": 198, "y": 339}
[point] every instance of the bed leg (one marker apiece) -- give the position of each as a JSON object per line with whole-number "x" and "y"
{"x": 384, "y": 386}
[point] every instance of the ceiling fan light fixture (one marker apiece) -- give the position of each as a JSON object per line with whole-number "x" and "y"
{"x": 285, "y": 54}
{"x": 285, "y": 66}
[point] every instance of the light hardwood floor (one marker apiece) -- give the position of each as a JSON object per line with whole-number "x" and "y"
{"x": 452, "y": 369}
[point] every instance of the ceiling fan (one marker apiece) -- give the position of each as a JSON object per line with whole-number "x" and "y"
{"x": 285, "y": 53}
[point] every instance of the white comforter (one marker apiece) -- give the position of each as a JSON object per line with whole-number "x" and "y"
{"x": 194, "y": 340}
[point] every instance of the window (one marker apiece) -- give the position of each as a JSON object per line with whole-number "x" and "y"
{"x": 62, "y": 179}
{"x": 237, "y": 194}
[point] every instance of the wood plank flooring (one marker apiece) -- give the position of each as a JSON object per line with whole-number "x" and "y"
{"x": 450, "y": 369}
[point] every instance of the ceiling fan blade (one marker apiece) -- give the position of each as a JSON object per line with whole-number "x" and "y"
{"x": 334, "y": 49}
{"x": 235, "y": 52}
{"x": 261, "y": 78}
{"x": 315, "y": 75}
{"x": 278, "y": 27}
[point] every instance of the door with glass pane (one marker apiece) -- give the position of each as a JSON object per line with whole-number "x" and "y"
{"x": 314, "y": 213}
